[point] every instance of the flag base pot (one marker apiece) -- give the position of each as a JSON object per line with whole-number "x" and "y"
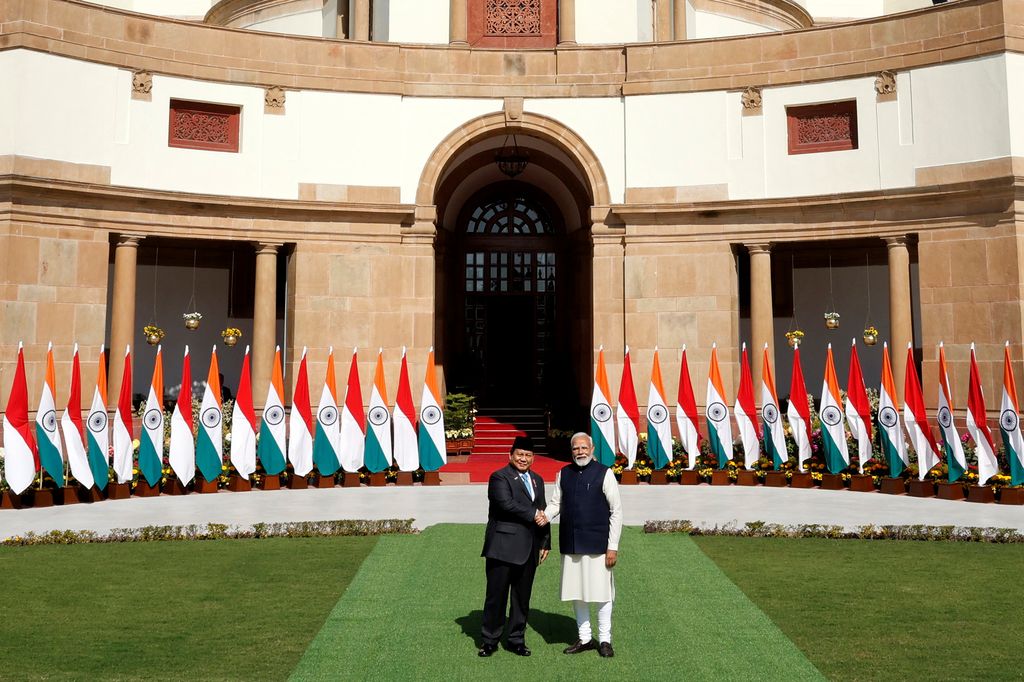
{"x": 296, "y": 482}
{"x": 831, "y": 482}
{"x": 689, "y": 477}
{"x": 205, "y": 487}
{"x": 173, "y": 486}
{"x": 720, "y": 477}
{"x": 9, "y": 500}
{"x": 378, "y": 480}
{"x": 324, "y": 481}
{"x": 950, "y": 491}
{"x": 746, "y": 477}
{"x": 431, "y": 478}
{"x": 38, "y": 498}
{"x": 351, "y": 480}
{"x": 892, "y": 486}
{"x": 801, "y": 479}
{"x": 862, "y": 483}
{"x": 119, "y": 491}
{"x": 404, "y": 478}
{"x": 980, "y": 493}
{"x": 144, "y": 489}
{"x": 775, "y": 479}
{"x": 271, "y": 482}
{"x": 627, "y": 477}
{"x": 67, "y": 495}
{"x": 92, "y": 494}
{"x": 918, "y": 488}
{"x": 238, "y": 484}
{"x": 659, "y": 477}
{"x": 1011, "y": 496}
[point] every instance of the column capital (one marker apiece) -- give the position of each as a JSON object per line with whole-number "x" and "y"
{"x": 759, "y": 247}
{"x": 268, "y": 247}
{"x": 131, "y": 240}
{"x": 896, "y": 241}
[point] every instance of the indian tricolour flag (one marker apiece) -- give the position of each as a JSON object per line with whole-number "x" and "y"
{"x": 746, "y": 414}
{"x": 916, "y": 419}
{"x": 602, "y": 428}
{"x": 21, "y": 461}
{"x": 890, "y": 434}
{"x": 407, "y": 454}
{"x": 719, "y": 426}
{"x": 210, "y": 440}
{"x": 124, "y": 431}
{"x": 272, "y": 428}
{"x": 243, "y": 424}
{"x": 858, "y": 409}
{"x": 686, "y": 414}
{"x": 833, "y": 435}
{"x": 798, "y": 413}
{"x": 659, "y": 428}
{"x": 51, "y": 455}
{"x": 151, "y": 445}
{"x": 98, "y": 435}
{"x": 300, "y": 423}
{"x": 774, "y": 434}
{"x": 182, "y": 453}
{"x": 74, "y": 430}
{"x": 378, "y": 436}
{"x": 955, "y": 459}
{"x": 353, "y": 421}
{"x": 325, "y": 445}
{"x": 627, "y": 415}
{"x": 431, "y": 426}
{"x": 1009, "y": 422}
{"x": 977, "y": 426}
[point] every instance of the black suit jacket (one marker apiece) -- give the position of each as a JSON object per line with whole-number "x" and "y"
{"x": 512, "y": 536}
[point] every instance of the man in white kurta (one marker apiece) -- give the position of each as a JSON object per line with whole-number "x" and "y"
{"x": 586, "y": 494}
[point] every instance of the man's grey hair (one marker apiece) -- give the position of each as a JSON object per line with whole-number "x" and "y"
{"x": 580, "y": 434}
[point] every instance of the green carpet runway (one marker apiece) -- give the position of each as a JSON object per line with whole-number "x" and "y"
{"x": 413, "y": 612}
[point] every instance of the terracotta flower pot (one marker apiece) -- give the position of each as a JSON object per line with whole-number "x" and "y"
{"x": 270, "y": 482}
{"x": 68, "y": 495}
{"x": 9, "y": 500}
{"x": 775, "y": 479}
{"x": 350, "y": 480}
{"x": 118, "y": 491}
{"x": 720, "y": 477}
{"x": 378, "y": 480}
{"x": 404, "y": 478}
{"x": 38, "y": 498}
{"x": 981, "y": 493}
{"x": 659, "y": 477}
{"x": 917, "y": 488}
{"x": 950, "y": 491}
{"x": 627, "y": 477}
{"x": 862, "y": 483}
{"x": 205, "y": 487}
{"x": 689, "y": 477}
{"x": 92, "y": 494}
{"x": 430, "y": 478}
{"x": 746, "y": 477}
{"x": 1011, "y": 496}
{"x": 892, "y": 485}
{"x": 172, "y": 486}
{"x": 831, "y": 482}
{"x": 324, "y": 482}
{"x": 144, "y": 489}
{"x": 297, "y": 483}
{"x": 801, "y": 479}
{"x": 239, "y": 484}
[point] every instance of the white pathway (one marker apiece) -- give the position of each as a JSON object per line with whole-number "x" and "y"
{"x": 703, "y": 505}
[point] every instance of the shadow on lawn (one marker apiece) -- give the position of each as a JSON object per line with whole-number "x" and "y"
{"x": 555, "y": 628}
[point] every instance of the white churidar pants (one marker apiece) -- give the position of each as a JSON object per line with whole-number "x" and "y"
{"x": 604, "y": 620}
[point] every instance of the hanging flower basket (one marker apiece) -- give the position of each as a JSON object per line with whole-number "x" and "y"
{"x": 153, "y": 334}
{"x": 870, "y": 336}
{"x": 794, "y": 338}
{"x": 832, "y": 320}
{"x": 192, "y": 320}
{"x": 231, "y": 336}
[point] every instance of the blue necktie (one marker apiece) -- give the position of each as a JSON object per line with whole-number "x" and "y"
{"x": 528, "y": 483}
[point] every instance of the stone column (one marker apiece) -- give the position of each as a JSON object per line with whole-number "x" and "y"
{"x": 662, "y": 20}
{"x": 679, "y": 30}
{"x": 458, "y": 23}
{"x": 122, "y": 309}
{"x": 567, "y": 22}
{"x": 361, "y": 20}
{"x": 762, "y": 328}
{"x": 264, "y": 320}
{"x": 900, "y": 323}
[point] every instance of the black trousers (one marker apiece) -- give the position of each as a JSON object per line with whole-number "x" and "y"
{"x": 505, "y": 580}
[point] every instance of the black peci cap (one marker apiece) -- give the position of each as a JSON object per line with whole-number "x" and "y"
{"x": 522, "y": 443}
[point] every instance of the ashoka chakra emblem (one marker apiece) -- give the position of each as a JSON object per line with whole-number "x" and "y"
{"x": 717, "y": 412}
{"x": 831, "y": 415}
{"x": 50, "y": 421}
{"x": 1008, "y": 420}
{"x": 378, "y": 416}
{"x": 657, "y": 414}
{"x": 154, "y": 419}
{"x": 770, "y": 413}
{"x": 211, "y": 417}
{"x": 602, "y": 412}
{"x": 887, "y": 417}
{"x": 430, "y": 415}
{"x": 945, "y": 418}
{"x": 328, "y": 415}
{"x": 97, "y": 422}
{"x": 274, "y": 415}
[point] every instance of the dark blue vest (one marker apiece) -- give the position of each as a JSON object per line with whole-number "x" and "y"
{"x": 585, "y": 512}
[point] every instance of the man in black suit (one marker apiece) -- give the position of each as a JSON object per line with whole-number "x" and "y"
{"x": 514, "y": 546}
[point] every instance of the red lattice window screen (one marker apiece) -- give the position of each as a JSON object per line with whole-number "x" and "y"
{"x": 512, "y": 24}
{"x": 512, "y": 18}
{"x": 200, "y": 125}
{"x": 822, "y": 127}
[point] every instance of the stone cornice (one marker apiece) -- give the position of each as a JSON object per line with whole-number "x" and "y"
{"x": 948, "y": 32}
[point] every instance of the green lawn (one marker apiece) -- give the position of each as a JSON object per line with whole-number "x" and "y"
{"x": 227, "y": 609}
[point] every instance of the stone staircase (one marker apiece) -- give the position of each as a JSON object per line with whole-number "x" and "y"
{"x": 497, "y": 427}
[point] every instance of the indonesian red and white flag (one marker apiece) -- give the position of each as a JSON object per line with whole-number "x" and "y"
{"x": 894, "y": 447}
{"x": 300, "y": 423}
{"x": 916, "y": 419}
{"x": 124, "y": 432}
{"x": 627, "y": 415}
{"x": 1009, "y": 422}
{"x": 431, "y": 425}
{"x": 73, "y": 428}
{"x": 51, "y": 455}
{"x": 182, "y": 454}
{"x": 955, "y": 460}
{"x": 353, "y": 420}
{"x": 379, "y": 452}
{"x": 686, "y": 414}
{"x": 746, "y": 414}
{"x": 21, "y": 460}
{"x": 977, "y": 426}
{"x": 407, "y": 455}
{"x": 325, "y": 442}
{"x": 774, "y": 434}
{"x": 602, "y": 427}
{"x": 858, "y": 409}
{"x": 659, "y": 428}
{"x": 833, "y": 435}
{"x": 798, "y": 412}
{"x": 717, "y": 413}
{"x": 243, "y": 424}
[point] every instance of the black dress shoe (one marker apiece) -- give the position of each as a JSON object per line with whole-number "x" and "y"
{"x": 580, "y": 646}
{"x": 519, "y": 649}
{"x": 487, "y": 650}
{"x": 605, "y": 650}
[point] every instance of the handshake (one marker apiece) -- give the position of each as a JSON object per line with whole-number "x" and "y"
{"x": 540, "y": 518}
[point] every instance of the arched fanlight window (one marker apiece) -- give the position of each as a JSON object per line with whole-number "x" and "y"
{"x": 515, "y": 216}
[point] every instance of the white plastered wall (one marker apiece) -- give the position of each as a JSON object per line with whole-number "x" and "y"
{"x": 709, "y": 25}
{"x": 613, "y": 21}
{"x": 163, "y": 8}
{"x": 300, "y": 24}
{"x": 1015, "y": 103}
{"x": 414, "y": 21}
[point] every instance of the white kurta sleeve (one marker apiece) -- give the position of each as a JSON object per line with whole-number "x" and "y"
{"x": 555, "y": 503}
{"x": 610, "y": 488}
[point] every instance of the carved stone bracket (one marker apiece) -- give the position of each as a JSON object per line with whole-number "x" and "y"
{"x": 273, "y": 100}
{"x": 142, "y": 85}
{"x": 885, "y": 83}
{"x": 751, "y": 100}
{"x": 513, "y": 111}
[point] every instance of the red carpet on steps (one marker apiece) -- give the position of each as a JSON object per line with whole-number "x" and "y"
{"x": 480, "y": 467}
